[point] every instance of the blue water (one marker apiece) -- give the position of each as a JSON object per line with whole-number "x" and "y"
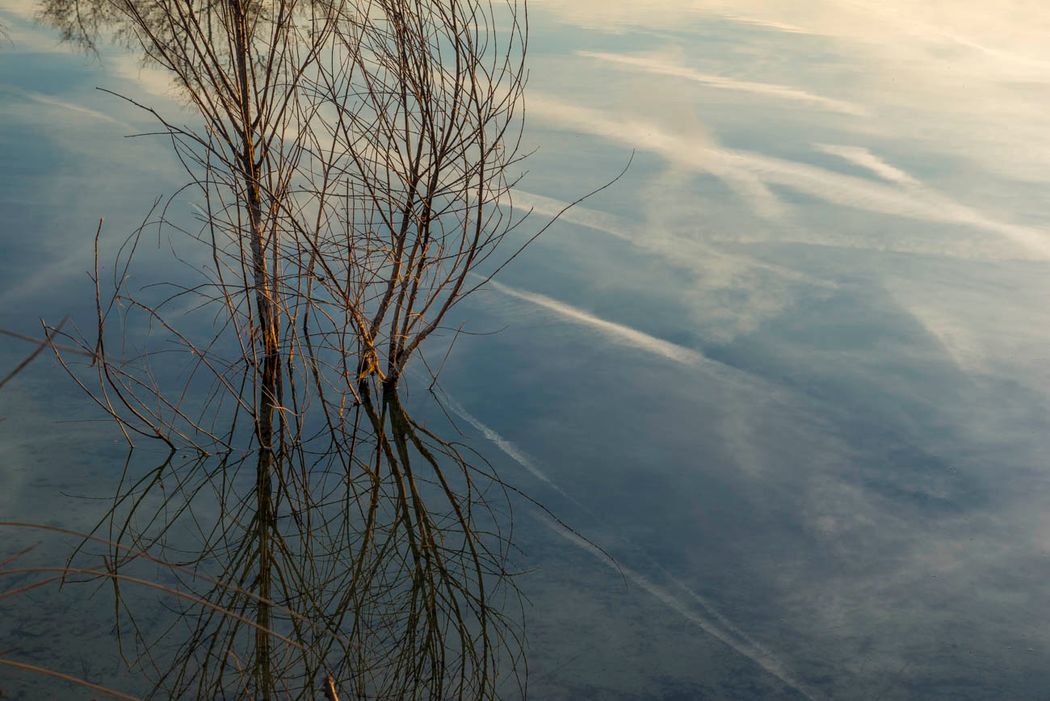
{"x": 789, "y": 371}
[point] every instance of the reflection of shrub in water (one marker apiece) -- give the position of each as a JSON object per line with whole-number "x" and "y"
{"x": 350, "y": 159}
{"x": 387, "y": 577}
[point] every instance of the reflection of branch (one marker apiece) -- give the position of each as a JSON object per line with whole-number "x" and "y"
{"x": 396, "y": 601}
{"x": 41, "y": 345}
{"x": 350, "y": 161}
{"x": 62, "y": 573}
{"x": 45, "y": 342}
{"x": 67, "y": 678}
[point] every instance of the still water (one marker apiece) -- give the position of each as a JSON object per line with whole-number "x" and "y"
{"x": 782, "y": 387}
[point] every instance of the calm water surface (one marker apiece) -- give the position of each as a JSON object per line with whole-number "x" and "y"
{"x": 790, "y": 370}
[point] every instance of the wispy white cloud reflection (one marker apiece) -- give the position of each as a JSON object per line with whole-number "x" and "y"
{"x": 61, "y": 108}
{"x": 506, "y": 447}
{"x": 864, "y": 158}
{"x": 654, "y": 237}
{"x": 727, "y": 293}
{"x": 966, "y": 79}
{"x": 616, "y": 332}
{"x": 697, "y": 612}
{"x": 665, "y": 66}
{"x": 704, "y": 155}
{"x": 1014, "y": 30}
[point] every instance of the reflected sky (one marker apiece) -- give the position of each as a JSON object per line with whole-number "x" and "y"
{"x": 789, "y": 370}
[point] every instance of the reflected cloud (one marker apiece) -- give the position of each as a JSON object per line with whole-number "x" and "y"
{"x": 703, "y": 155}
{"x": 153, "y": 81}
{"x": 509, "y": 449}
{"x": 697, "y": 613}
{"x": 67, "y": 106}
{"x": 665, "y": 66}
{"x": 729, "y": 294}
{"x": 900, "y": 60}
{"x": 1014, "y": 30}
{"x": 864, "y": 158}
{"x": 616, "y": 332}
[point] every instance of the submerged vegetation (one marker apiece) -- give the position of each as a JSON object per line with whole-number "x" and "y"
{"x": 349, "y": 160}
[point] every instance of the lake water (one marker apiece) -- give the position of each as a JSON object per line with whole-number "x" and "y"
{"x": 789, "y": 372}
